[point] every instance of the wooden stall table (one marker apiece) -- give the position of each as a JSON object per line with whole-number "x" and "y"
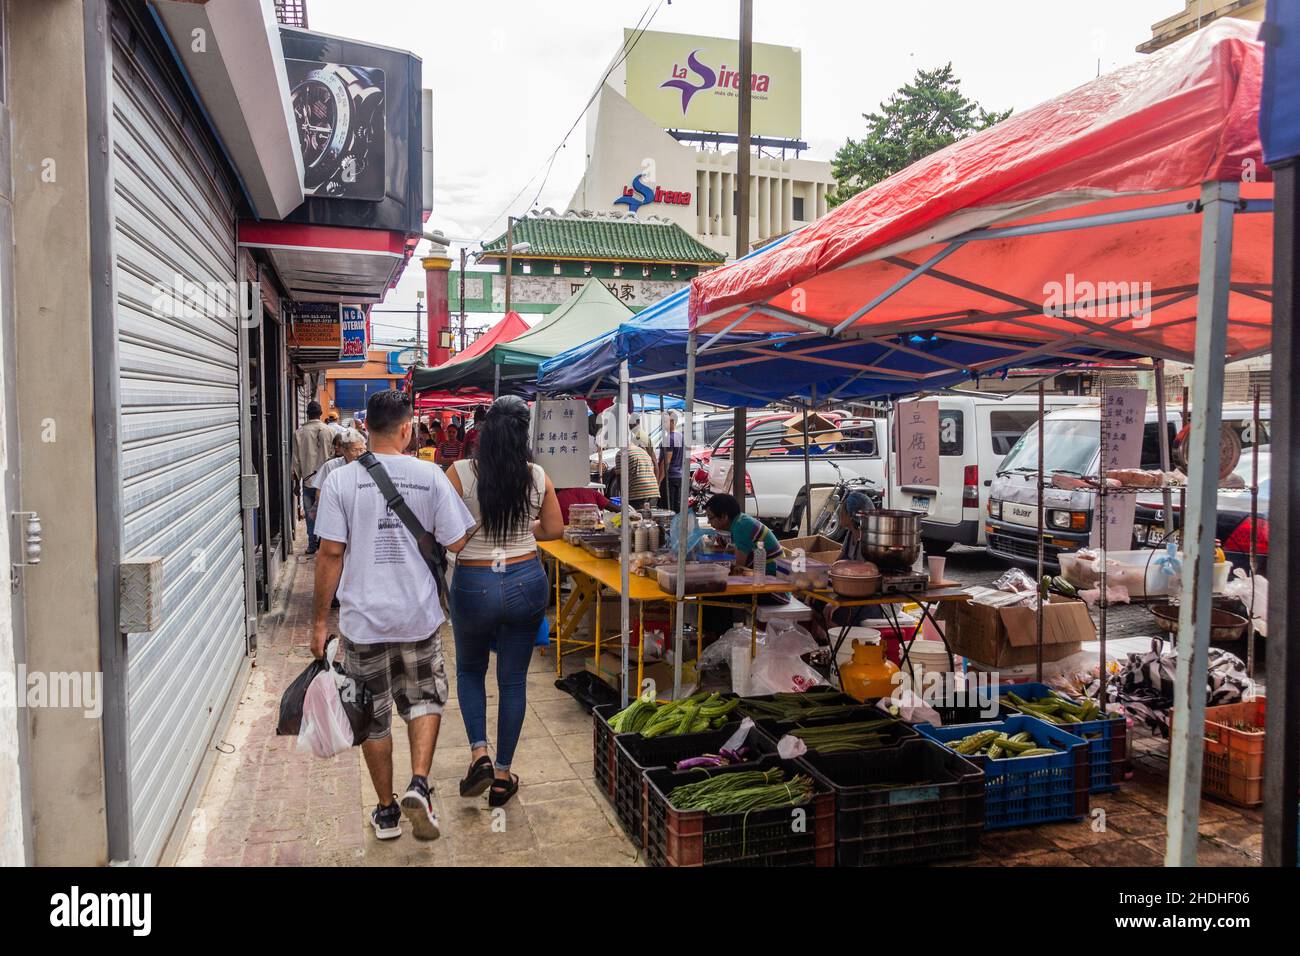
{"x": 593, "y": 575}
{"x": 889, "y": 605}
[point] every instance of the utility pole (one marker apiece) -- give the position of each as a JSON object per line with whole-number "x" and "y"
{"x": 743, "y": 125}
{"x": 462, "y": 298}
{"x": 419, "y": 308}
{"x": 510, "y": 248}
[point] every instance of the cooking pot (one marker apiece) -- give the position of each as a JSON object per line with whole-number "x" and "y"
{"x": 892, "y": 539}
{"x": 855, "y": 579}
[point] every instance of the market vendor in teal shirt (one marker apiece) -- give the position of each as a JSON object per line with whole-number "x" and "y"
{"x": 747, "y": 532}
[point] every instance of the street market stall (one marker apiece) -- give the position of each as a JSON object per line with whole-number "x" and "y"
{"x": 1130, "y": 218}
{"x": 512, "y": 362}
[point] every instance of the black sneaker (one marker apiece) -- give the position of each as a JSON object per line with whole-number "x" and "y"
{"x": 417, "y": 804}
{"x": 387, "y": 820}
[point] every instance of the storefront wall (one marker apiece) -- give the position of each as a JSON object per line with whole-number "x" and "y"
{"x": 174, "y": 220}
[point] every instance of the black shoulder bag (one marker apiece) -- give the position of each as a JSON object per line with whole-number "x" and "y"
{"x": 434, "y": 554}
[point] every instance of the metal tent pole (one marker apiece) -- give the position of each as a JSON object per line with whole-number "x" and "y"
{"x": 625, "y": 509}
{"x": 1162, "y": 409}
{"x": 807, "y": 465}
{"x": 1254, "y": 542}
{"x": 683, "y": 510}
{"x": 739, "y": 453}
{"x": 1185, "y": 751}
{"x": 1282, "y": 750}
{"x": 1102, "y": 602}
{"x": 1042, "y": 591}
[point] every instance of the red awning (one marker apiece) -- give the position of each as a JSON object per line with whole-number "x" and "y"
{"x": 1087, "y": 202}
{"x": 510, "y": 327}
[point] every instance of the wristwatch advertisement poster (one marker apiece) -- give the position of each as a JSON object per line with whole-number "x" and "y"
{"x": 338, "y": 111}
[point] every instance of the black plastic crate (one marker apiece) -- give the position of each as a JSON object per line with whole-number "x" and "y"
{"x": 915, "y": 803}
{"x": 895, "y": 733}
{"x": 759, "y": 838}
{"x": 634, "y": 754}
{"x": 603, "y": 748}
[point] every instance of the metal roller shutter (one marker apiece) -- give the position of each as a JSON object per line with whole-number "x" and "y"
{"x": 174, "y": 217}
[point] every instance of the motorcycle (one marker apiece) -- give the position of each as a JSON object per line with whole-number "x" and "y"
{"x": 827, "y": 522}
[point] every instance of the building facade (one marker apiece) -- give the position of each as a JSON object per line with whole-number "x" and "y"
{"x": 146, "y": 312}
{"x": 1197, "y": 14}
{"x": 634, "y": 166}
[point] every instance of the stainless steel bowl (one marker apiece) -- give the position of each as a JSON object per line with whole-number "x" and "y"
{"x": 892, "y": 538}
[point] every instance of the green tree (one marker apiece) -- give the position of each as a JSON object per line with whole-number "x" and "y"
{"x": 922, "y": 116}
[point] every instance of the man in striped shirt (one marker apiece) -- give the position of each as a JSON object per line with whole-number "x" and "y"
{"x": 642, "y": 482}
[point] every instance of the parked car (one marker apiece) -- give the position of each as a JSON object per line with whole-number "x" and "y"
{"x": 975, "y": 434}
{"x": 1233, "y": 523}
{"x": 1071, "y": 445}
{"x": 776, "y": 489}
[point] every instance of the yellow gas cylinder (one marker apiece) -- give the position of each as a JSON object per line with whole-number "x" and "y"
{"x": 870, "y": 674}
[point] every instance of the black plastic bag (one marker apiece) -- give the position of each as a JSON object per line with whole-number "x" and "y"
{"x": 358, "y": 703}
{"x": 291, "y": 700}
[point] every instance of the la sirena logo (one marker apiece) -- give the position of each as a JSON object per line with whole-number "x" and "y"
{"x": 640, "y": 194}
{"x": 708, "y": 79}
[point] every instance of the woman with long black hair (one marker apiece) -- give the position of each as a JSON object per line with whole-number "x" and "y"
{"x": 498, "y": 591}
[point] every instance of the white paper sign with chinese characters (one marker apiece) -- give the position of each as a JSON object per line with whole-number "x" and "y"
{"x": 560, "y": 443}
{"x": 918, "y": 443}
{"x": 1124, "y": 418}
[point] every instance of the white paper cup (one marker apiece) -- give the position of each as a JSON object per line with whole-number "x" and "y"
{"x": 936, "y": 569}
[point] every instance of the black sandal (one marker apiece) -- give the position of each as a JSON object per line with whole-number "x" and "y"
{"x": 479, "y": 778}
{"x": 502, "y": 791}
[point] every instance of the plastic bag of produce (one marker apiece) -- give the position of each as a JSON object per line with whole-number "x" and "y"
{"x": 779, "y": 672}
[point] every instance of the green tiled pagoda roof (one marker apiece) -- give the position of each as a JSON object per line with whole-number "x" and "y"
{"x": 624, "y": 240}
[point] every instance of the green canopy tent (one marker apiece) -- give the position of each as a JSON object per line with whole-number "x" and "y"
{"x": 592, "y": 311}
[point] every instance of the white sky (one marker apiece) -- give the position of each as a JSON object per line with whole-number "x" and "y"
{"x": 510, "y": 76}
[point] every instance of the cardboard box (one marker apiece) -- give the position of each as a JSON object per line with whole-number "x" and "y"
{"x": 817, "y": 546}
{"x": 821, "y": 431}
{"x": 610, "y": 670}
{"x": 1008, "y": 636}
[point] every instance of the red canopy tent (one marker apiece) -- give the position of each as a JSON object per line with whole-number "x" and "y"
{"x": 1133, "y": 214}
{"x": 1074, "y": 221}
{"x": 510, "y": 327}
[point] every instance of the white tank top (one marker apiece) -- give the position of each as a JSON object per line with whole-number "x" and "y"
{"x": 480, "y": 547}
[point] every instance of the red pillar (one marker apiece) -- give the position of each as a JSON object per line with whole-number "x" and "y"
{"x": 436, "y": 271}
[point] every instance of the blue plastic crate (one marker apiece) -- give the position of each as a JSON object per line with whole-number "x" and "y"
{"x": 1027, "y": 790}
{"x": 1107, "y": 752}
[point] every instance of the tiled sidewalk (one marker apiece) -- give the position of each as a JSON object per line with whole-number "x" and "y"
{"x": 268, "y": 804}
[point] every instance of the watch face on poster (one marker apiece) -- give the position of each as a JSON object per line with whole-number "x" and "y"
{"x": 338, "y": 111}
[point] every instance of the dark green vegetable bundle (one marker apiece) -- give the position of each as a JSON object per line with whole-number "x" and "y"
{"x": 743, "y": 791}
{"x": 1054, "y": 708}
{"x": 842, "y": 738}
{"x": 791, "y": 706}
{"x": 691, "y": 715}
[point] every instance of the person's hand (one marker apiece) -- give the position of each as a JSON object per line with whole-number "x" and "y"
{"x": 318, "y": 638}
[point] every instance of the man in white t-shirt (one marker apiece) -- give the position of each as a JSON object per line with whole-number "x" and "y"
{"x": 389, "y": 613}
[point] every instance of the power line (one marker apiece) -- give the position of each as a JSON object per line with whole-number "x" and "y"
{"x": 637, "y": 32}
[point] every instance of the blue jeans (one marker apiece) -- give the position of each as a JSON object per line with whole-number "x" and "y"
{"x": 309, "y": 496}
{"x": 501, "y": 611}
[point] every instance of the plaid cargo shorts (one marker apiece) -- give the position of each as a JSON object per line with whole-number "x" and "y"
{"x": 411, "y": 674}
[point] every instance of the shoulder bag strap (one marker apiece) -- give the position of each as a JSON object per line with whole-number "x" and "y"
{"x": 430, "y": 550}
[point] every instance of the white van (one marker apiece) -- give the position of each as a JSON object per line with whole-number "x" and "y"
{"x": 1071, "y": 445}
{"x": 975, "y": 434}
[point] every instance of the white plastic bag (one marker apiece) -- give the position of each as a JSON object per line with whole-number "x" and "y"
{"x": 1240, "y": 588}
{"x": 910, "y": 707}
{"x": 719, "y": 652}
{"x": 325, "y": 728}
